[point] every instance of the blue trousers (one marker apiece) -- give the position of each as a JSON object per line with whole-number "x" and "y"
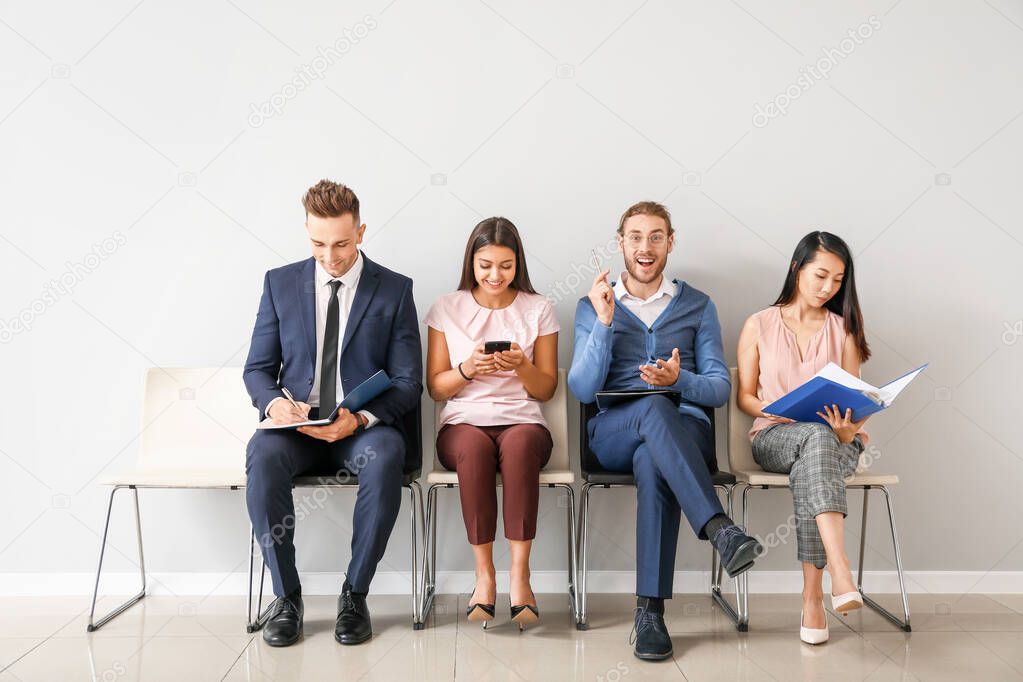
{"x": 274, "y": 458}
{"x": 668, "y": 453}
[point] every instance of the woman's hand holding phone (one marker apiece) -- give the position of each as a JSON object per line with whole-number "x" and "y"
{"x": 479, "y": 362}
{"x": 510, "y": 360}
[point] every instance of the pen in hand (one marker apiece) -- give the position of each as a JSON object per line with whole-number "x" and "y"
{"x": 294, "y": 403}
{"x": 291, "y": 398}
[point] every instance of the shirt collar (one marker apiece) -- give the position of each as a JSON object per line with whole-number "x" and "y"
{"x": 667, "y": 288}
{"x": 350, "y": 279}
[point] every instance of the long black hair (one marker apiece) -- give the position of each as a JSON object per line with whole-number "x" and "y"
{"x": 496, "y": 231}
{"x": 845, "y": 302}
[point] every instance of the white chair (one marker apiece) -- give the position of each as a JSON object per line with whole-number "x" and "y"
{"x": 195, "y": 423}
{"x": 752, "y": 477}
{"x": 557, "y": 474}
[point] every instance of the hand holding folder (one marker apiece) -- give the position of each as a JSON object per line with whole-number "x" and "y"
{"x": 353, "y": 402}
{"x": 834, "y": 386}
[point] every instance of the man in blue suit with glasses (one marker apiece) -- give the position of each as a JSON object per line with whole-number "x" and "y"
{"x": 325, "y": 325}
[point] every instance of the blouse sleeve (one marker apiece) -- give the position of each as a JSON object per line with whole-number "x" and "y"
{"x": 548, "y": 321}
{"x": 435, "y": 318}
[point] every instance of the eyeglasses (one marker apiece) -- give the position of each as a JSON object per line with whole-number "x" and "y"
{"x": 656, "y": 239}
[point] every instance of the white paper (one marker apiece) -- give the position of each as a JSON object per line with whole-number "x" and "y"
{"x": 269, "y": 424}
{"x": 884, "y": 396}
{"x": 835, "y": 373}
{"x": 893, "y": 389}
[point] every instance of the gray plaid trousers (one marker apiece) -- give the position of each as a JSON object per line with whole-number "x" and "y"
{"x": 817, "y": 464}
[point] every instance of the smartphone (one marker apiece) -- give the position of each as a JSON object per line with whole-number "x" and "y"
{"x": 494, "y": 346}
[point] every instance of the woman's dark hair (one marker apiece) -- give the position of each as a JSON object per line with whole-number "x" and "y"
{"x": 845, "y": 302}
{"x": 496, "y": 231}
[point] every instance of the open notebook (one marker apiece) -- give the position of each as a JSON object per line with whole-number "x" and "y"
{"x": 353, "y": 402}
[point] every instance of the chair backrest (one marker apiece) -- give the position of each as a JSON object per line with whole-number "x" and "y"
{"x": 740, "y": 452}
{"x": 588, "y": 462}
{"x": 195, "y": 418}
{"x": 555, "y": 412}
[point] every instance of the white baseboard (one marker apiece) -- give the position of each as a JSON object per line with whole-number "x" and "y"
{"x": 448, "y": 582}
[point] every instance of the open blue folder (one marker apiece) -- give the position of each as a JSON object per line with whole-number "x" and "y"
{"x": 356, "y": 399}
{"x": 834, "y": 386}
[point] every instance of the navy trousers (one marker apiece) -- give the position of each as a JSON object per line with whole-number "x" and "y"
{"x": 274, "y": 458}
{"x": 668, "y": 453}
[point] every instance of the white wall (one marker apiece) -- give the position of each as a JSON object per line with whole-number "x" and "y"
{"x": 134, "y": 123}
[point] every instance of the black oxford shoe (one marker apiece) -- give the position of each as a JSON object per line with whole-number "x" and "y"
{"x": 353, "y": 625}
{"x": 284, "y": 627}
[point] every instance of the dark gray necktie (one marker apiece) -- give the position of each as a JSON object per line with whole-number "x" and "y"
{"x": 328, "y": 364}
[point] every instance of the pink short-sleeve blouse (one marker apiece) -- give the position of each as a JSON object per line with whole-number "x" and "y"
{"x": 500, "y": 398}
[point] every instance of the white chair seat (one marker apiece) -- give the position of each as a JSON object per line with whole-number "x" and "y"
{"x": 445, "y": 477}
{"x": 782, "y": 480}
{"x": 178, "y": 478}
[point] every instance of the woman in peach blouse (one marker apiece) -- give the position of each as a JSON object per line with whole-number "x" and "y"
{"x": 816, "y": 320}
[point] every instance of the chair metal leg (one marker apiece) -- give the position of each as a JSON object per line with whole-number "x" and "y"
{"x": 96, "y": 625}
{"x": 573, "y": 569}
{"x": 716, "y": 570}
{"x": 415, "y": 504}
{"x": 863, "y": 538}
{"x": 902, "y": 624}
{"x": 429, "y": 555}
{"x": 743, "y": 581}
{"x": 262, "y": 615}
{"x": 248, "y": 599}
{"x": 583, "y": 542}
{"x": 429, "y": 587}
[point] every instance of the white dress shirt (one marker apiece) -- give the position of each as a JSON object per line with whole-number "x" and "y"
{"x": 345, "y": 296}
{"x": 648, "y": 309}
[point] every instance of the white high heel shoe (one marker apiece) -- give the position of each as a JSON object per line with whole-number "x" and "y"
{"x": 813, "y": 635}
{"x": 847, "y": 601}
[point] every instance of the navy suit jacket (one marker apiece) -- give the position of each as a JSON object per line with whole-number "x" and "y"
{"x": 382, "y": 333}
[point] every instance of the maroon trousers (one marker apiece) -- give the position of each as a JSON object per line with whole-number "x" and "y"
{"x": 476, "y": 453}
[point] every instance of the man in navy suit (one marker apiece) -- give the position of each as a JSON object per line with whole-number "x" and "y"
{"x": 326, "y": 324}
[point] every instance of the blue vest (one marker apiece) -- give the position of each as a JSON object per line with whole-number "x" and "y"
{"x": 636, "y": 344}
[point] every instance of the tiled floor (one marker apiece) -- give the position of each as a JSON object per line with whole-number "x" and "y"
{"x": 973, "y": 637}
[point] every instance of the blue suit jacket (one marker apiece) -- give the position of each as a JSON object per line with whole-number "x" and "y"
{"x": 382, "y": 333}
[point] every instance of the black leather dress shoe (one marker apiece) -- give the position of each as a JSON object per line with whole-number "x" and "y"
{"x": 650, "y": 635}
{"x": 284, "y": 627}
{"x": 353, "y": 625}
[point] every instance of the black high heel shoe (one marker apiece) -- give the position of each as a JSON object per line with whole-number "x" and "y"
{"x": 524, "y": 614}
{"x": 480, "y": 612}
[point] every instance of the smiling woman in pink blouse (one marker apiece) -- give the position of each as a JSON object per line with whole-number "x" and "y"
{"x": 492, "y": 420}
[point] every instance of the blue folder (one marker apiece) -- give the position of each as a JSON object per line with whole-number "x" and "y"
{"x": 361, "y": 395}
{"x": 803, "y": 403}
